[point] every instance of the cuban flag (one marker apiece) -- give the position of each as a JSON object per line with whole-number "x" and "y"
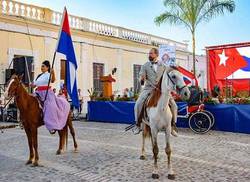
{"x": 65, "y": 46}
{"x": 244, "y": 71}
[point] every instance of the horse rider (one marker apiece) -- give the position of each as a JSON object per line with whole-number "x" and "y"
{"x": 55, "y": 109}
{"x": 150, "y": 73}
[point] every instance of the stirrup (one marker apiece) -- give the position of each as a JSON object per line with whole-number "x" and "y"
{"x": 52, "y": 132}
{"x": 136, "y": 130}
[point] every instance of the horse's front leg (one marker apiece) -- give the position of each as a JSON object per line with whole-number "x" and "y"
{"x": 168, "y": 151}
{"x": 143, "y": 157}
{"x": 35, "y": 143}
{"x": 28, "y": 134}
{"x": 154, "y": 133}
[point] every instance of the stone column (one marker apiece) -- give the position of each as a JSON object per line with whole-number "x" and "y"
{"x": 119, "y": 70}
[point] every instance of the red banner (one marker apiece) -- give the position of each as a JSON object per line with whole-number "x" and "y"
{"x": 224, "y": 62}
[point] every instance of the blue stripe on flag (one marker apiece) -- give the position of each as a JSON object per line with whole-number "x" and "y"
{"x": 65, "y": 46}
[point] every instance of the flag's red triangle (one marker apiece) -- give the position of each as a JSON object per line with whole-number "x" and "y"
{"x": 65, "y": 25}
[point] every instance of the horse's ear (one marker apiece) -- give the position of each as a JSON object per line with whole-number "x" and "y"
{"x": 169, "y": 69}
{"x": 20, "y": 77}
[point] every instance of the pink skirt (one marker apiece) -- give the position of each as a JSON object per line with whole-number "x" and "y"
{"x": 55, "y": 110}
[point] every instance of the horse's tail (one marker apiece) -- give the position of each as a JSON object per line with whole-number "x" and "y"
{"x": 69, "y": 122}
{"x": 66, "y": 136}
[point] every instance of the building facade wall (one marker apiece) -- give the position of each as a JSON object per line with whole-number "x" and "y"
{"x": 21, "y": 36}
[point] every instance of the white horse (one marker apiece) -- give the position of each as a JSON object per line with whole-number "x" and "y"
{"x": 160, "y": 116}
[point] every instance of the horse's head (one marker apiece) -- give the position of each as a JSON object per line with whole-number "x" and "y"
{"x": 177, "y": 81}
{"x": 13, "y": 86}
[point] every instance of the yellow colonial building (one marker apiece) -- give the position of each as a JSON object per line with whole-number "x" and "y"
{"x": 30, "y": 33}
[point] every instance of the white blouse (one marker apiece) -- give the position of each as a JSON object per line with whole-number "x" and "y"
{"x": 42, "y": 80}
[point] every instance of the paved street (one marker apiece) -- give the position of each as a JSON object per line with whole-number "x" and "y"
{"x": 107, "y": 153}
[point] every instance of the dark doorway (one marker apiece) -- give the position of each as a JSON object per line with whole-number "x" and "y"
{"x": 23, "y": 65}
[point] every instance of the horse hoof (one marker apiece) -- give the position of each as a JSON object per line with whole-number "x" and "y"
{"x": 35, "y": 164}
{"x": 171, "y": 176}
{"x": 142, "y": 157}
{"x": 28, "y": 162}
{"x": 58, "y": 152}
{"x": 76, "y": 150}
{"x": 155, "y": 176}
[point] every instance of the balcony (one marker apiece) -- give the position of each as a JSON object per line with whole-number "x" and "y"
{"x": 12, "y": 8}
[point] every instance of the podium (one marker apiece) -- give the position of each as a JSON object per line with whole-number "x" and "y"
{"x": 107, "y": 85}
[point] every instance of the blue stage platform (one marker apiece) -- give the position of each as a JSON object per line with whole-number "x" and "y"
{"x": 228, "y": 117}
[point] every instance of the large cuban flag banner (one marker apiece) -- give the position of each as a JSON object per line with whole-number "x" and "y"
{"x": 65, "y": 47}
{"x": 230, "y": 64}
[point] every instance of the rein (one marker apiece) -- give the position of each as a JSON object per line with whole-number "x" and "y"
{"x": 179, "y": 88}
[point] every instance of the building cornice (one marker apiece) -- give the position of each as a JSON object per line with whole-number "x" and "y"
{"x": 46, "y": 18}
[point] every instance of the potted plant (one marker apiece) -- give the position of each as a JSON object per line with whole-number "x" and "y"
{"x": 92, "y": 94}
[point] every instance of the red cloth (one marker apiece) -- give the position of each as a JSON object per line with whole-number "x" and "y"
{"x": 42, "y": 88}
{"x": 219, "y": 70}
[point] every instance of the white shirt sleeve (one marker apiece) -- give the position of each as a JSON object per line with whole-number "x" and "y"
{"x": 42, "y": 80}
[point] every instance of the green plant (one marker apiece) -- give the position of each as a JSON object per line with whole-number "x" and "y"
{"x": 209, "y": 100}
{"x": 92, "y": 94}
{"x": 124, "y": 99}
{"x": 102, "y": 99}
{"x": 237, "y": 100}
{"x": 136, "y": 96}
{"x": 190, "y": 13}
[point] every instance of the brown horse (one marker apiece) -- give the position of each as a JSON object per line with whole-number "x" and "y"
{"x": 31, "y": 117}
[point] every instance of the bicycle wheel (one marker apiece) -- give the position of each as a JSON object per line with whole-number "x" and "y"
{"x": 211, "y": 117}
{"x": 199, "y": 122}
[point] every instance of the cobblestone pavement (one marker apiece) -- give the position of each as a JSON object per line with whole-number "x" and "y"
{"x": 107, "y": 153}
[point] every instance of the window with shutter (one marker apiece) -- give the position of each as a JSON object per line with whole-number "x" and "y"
{"x": 63, "y": 70}
{"x": 98, "y": 71}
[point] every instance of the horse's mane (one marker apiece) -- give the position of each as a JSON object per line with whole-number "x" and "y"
{"x": 155, "y": 95}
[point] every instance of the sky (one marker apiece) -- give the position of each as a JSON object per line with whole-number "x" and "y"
{"x": 139, "y": 15}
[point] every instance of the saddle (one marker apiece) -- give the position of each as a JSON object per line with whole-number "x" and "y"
{"x": 41, "y": 104}
{"x": 151, "y": 101}
{"x": 143, "y": 116}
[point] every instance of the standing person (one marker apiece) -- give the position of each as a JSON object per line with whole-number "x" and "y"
{"x": 126, "y": 93}
{"x": 150, "y": 73}
{"x": 64, "y": 91}
{"x": 131, "y": 92}
{"x": 55, "y": 109}
{"x": 80, "y": 100}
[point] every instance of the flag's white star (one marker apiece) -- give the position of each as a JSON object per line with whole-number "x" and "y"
{"x": 223, "y": 58}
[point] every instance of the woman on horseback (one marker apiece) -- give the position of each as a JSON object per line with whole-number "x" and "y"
{"x": 55, "y": 109}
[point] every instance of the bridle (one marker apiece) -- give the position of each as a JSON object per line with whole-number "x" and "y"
{"x": 174, "y": 84}
{"x": 15, "y": 94}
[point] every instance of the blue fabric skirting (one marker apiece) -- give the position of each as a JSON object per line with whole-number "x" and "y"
{"x": 228, "y": 117}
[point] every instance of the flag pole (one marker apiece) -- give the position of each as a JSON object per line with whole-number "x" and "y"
{"x": 54, "y": 56}
{"x": 47, "y": 89}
